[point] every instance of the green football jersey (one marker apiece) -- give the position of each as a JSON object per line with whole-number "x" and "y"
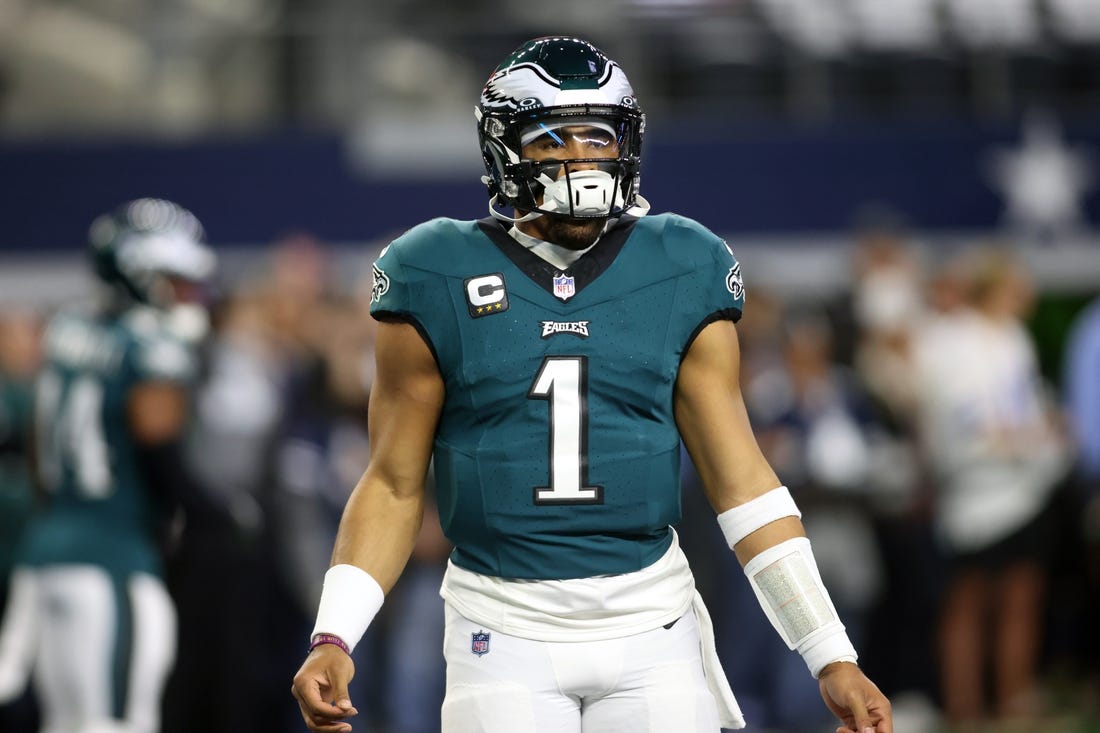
{"x": 557, "y": 454}
{"x": 101, "y": 508}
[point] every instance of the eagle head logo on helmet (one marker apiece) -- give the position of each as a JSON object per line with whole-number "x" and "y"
{"x": 554, "y": 81}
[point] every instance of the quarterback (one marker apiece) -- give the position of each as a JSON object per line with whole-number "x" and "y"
{"x": 547, "y": 361}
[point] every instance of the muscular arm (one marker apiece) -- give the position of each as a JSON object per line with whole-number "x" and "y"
{"x": 384, "y": 513}
{"x": 713, "y": 421}
{"x": 714, "y": 424}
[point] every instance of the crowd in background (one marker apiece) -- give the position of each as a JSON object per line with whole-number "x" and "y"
{"x": 951, "y": 490}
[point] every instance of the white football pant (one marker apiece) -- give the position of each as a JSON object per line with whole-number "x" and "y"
{"x": 77, "y": 663}
{"x": 647, "y": 683}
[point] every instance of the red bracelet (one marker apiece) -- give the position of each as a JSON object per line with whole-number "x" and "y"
{"x": 319, "y": 639}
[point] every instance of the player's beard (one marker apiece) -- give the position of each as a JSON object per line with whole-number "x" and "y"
{"x": 567, "y": 232}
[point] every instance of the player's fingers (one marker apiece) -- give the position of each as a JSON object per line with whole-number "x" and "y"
{"x": 883, "y": 717}
{"x": 858, "y": 707}
{"x": 340, "y": 697}
{"x": 327, "y": 719}
{"x": 326, "y": 724}
{"x": 846, "y": 729}
{"x": 337, "y": 726}
{"x": 318, "y": 700}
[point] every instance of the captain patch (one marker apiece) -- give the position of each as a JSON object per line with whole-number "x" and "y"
{"x": 486, "y": 295}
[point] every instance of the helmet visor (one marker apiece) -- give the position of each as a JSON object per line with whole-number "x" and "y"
{"x": 570, "y": 138}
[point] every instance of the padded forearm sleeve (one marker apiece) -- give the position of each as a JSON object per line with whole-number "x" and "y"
{"x": 788, "y": 585}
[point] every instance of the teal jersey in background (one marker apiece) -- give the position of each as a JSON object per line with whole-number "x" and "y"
{"x": 100, "y": 508}
{"x": 557, "y": 454}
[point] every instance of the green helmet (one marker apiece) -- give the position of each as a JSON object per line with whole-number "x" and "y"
{"x": 557, "y": 81}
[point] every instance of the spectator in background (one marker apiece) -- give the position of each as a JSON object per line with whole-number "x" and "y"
{"x": 886, "y": 308}
{"x": 20, "y": 355}
{"x": 997, "y": 457}
{"x": 112, "y": 405}
{"x": 886, "y": 303}
{"x": 1082, "y": 391}
{"x": 264, "y": 372}
{"x": 221, "y": 554}
{"x": 1081, "y": 384}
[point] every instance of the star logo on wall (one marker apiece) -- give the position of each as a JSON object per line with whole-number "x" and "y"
{"x": 1043, "y": 181}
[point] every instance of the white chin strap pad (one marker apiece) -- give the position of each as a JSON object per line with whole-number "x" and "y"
{"x": 788, "y": 585}
{"x": 591, "y": 193}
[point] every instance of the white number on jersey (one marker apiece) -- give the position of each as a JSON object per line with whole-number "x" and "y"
{"x": 70, "y": 430}
{"x": 563, "y": 381}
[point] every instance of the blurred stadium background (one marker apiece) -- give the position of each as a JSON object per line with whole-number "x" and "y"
{"x": 769, "y": 119}
{"x": 307, "y": 133}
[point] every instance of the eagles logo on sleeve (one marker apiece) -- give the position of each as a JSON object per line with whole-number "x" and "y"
{"x": 734, "y": 284}
{"x": 381, "y": 284}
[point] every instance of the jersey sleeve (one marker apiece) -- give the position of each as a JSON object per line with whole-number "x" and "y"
{"x": 404, "y": 289}
{"x": 715, "y": 290}
{"x": 724, "y": 284}
{"x": 390, "y": 290}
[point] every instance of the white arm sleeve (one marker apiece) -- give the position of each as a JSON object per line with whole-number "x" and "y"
{"x": 788, "y": 585}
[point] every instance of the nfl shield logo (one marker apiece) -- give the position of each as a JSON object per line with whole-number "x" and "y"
{"x": 479, "y": 644}
{"x": 564, "y": 287}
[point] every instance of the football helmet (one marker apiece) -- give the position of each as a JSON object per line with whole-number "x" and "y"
{"x": 142, "y": 245}
{"x": 547, "y": 86}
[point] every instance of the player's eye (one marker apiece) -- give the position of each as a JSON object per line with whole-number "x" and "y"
{"x": 549, "y": 142}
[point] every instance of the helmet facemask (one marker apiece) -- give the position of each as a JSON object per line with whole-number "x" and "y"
{"x": 574, "y": 187}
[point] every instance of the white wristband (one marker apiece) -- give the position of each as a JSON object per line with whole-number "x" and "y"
{"x": 350, "y": 599}
{"x": 788, "y": 585}
{"x": 744, "y": 519}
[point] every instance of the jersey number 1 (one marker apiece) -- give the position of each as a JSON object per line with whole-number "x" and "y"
{"x": 563, "y": 382}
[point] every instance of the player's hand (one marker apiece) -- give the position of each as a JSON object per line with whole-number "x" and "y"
{"x": 855, "y": 700}
{"x": 321, "y": 688}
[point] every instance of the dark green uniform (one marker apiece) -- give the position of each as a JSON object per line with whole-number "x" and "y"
{"x": 557, "y": 454}
{"x": 101, "y": 510}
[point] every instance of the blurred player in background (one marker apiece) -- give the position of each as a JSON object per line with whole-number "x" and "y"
{"x": 92, "y": 616}
{"x": 551, "y": 363}
{"x": 20, "y": 334}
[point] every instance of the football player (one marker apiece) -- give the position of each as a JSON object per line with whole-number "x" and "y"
{"x": 551, "y": 361}
{"x": 90, "y": 612}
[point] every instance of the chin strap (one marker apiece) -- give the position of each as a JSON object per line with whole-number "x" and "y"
{"x": 498, "y": 214}
{"x": 639, "y": 209}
